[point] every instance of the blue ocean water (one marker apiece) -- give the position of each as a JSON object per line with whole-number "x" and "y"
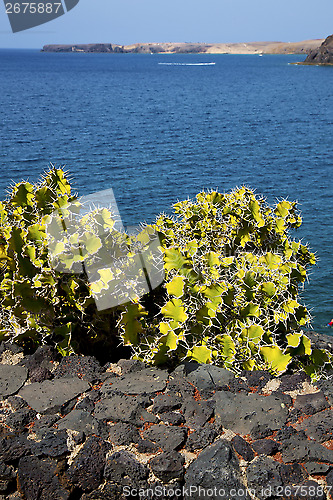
{"x": 158, "y": 133}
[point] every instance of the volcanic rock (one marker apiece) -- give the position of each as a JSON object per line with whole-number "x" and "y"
{"x": 241, "y": 412}
{"x": 123, "y": 468}
{"x": 63, "y": 438}
{"x": 14, "y": 446}
{"x": 39, "y": 479}
{"x": 265, "y": 446}
{"x": 122, "y": 408}
{"x": 124, "y": 434}
{"x": 166, "y": 403}
{"x": 169, "y": 438}
{"x": 52, "y": 444}
{"x": 82, "y": 421}
{"x": 323, "y": 55}
{"x": 319, "y": 426}
{"x": 216, "y": 466}
{"x": 197, "y": 413}
{"x": 243, "y": 448}
{"x": 201, "y": 438}
{"x": 83, "y": 367}
{"x": 12, "y": 378}
{"x": 297, "y": 449}
{"x": 168, "y": 466}
{"x": 52, "y": 394}
{"x": 86, "y": 471}
{"x": 311, "y": 403}
{"x": 146, "y": 381}
{"x": 263, "y": 476}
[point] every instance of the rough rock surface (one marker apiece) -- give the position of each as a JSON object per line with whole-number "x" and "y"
{"x": 322, "y": 55}
{"x": 39, "y": 479}
{"x": 318, "y": 426}
{"x": 86, "y": 471}
{"x": 218, "y": 466}
{"x": 146, "y": 381}
{"x": 52, "y": 394}
{"x": 241, "y": 412}
{"x": 121, "y": 431}
{"x": 11, "y": 379}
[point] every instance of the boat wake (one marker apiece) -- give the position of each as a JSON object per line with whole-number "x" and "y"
{"x": 186, "y": 64}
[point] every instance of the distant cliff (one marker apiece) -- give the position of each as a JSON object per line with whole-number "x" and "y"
{"x": 304, "y": 47}
{"x": 323, "y": 55}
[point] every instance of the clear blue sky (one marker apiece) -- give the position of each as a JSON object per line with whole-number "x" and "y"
{"x": 131, "y": 21}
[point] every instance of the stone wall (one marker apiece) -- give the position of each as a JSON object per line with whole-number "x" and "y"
{"x": 72, "y": 429}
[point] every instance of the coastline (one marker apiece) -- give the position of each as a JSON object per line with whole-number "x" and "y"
{"x": 303, "y": 47}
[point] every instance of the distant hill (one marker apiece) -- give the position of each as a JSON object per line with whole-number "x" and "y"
{"x": 322, "y": 55}
{"x": 304, "y": 47}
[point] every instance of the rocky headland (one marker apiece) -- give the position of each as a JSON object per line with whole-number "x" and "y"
{"x": 71, "y": 429}
{"x": 322, "y": 55}
{"x": 304, "y": 47}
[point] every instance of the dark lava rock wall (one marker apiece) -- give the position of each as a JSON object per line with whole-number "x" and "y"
{"x": 71, "y": 429}
{"x": 323, "y": 55}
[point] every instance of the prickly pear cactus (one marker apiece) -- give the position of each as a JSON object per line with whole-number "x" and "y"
{"x": 230, "y": 297}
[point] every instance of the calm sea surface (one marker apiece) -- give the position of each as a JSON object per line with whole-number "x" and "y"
{"x": 157, "y": 133}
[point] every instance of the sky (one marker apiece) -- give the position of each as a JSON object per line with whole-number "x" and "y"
{"x": 133, "y": 21}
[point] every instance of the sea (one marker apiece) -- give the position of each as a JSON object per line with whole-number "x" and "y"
{"x": 161, "y": 128}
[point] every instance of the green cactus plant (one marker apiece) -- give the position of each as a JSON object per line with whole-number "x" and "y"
{"x": 230, "y": 294}
{"x": 39, "y": 304}
{"x": 230, "y": 297}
